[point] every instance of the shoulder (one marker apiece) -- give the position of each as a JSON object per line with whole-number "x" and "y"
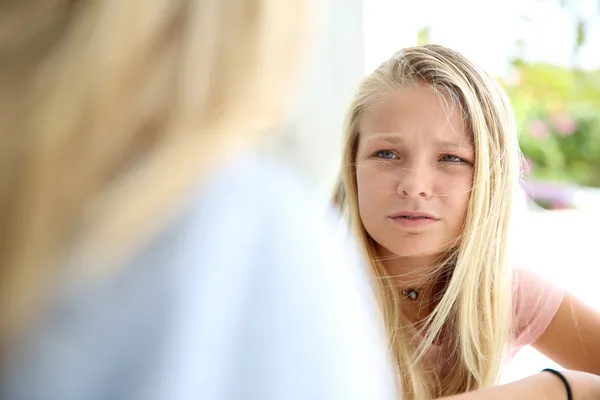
{"x": 536, "y": 301}
{"x": 265, "y": 210}
{"x": 293, "y": 295}
{"x": 264, "y": 225}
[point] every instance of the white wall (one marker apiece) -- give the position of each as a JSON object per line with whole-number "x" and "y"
{"x": 389, "y": 25}
{"x": 312, "y": 138}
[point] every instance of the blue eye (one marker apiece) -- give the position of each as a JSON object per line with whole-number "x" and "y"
{"x": 449, "y": 158}
{"x": 386, "y": 154}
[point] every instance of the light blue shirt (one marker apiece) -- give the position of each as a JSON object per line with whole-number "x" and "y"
{"x": 255, "y": 292}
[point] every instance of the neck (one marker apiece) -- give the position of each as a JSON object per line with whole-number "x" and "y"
{"x": 410, "y": 272}
{"x": 415, "y": 273}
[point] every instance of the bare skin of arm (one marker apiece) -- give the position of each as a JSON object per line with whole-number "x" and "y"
{"x": 543, "y": 386}
{"x": 571, "y": 339}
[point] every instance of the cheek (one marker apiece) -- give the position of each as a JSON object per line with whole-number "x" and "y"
{"x": 373, "y": 188}
{"x": 456, "y": 192}
{"x": 373, "y": 184}
{"x": 364, "y": 189}
{"x": 456, "y": 182}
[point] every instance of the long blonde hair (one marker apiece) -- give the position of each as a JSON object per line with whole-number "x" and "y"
{"x": 475, "y": 309}
{"x": 113, "y": 110}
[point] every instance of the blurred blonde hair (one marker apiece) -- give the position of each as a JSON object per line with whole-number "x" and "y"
{"x": 113, "y": 110}
{"x": 474, "y": 312}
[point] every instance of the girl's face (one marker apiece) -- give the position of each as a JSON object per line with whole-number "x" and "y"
{"x": 414, "y": 173}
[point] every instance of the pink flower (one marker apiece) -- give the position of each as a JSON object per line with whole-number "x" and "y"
{"x": 564, "y": 125}
{"x": 560, "y": 205}
{"x": 526, "y": 165}
{"x": 539, "y": 130}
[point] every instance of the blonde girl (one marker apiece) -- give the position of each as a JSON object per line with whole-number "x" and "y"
{"x": 430, "y": 169}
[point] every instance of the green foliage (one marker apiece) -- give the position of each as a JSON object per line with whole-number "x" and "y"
{"x": 424, "y": 35}
{"x": 558, "y": 114}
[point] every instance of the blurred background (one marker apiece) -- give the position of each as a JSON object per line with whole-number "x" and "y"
{"x": 546, "y": 53}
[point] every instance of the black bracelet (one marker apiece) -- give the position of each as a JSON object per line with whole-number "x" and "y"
{"x": 563, "y": 379}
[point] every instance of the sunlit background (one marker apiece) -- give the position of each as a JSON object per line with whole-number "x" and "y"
{"x": 546, "y": 53}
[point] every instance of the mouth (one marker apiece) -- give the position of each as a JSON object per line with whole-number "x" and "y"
{"x": 410, "y": 216}
{"x": 414, "y": 222}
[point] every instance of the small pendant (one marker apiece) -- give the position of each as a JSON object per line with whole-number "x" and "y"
{"x": 412, "y": 294}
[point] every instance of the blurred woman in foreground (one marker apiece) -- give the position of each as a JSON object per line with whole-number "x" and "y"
{"x": 145, "y": 253}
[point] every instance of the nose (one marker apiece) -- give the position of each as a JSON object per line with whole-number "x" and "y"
{"x": 415, "y": 182}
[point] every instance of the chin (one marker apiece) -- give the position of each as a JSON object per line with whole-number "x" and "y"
{"x": 417, "y": 253}
{"x": 417, "y": 250}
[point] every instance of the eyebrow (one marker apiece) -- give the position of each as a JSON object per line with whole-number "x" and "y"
{"x": 393, "y": 138}
{"x": 396, "y": 138}
{"x": 453, "y": 145}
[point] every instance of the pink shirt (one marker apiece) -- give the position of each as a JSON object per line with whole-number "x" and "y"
{"x": 536, "y": 302}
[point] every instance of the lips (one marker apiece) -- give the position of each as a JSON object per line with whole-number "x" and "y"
{"x": 414, "y": 222}
{"x": 408, "y": 215}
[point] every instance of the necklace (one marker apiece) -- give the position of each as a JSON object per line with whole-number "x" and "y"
{"x": 412, "y": 294}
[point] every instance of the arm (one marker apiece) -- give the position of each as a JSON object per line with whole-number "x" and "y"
{"x": 543, "y": 386}
{"x": 571, "y": 339}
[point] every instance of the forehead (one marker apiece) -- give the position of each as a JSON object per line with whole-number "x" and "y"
{"x": 418, "y": 111}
